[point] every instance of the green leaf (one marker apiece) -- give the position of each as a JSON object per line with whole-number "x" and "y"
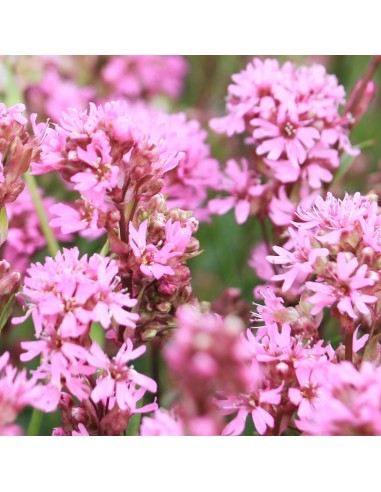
{"x": 6, "y": 312}
{"x": 3, "y": 225}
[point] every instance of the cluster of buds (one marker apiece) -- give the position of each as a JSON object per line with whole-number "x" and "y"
{"x": 17, "y": 150}
{"x": 161, "y": 241}
{"x": 9, "y": 284}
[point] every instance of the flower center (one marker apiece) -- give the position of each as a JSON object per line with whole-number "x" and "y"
{"x": 289, "y": 129}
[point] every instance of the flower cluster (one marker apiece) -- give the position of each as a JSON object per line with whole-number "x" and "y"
{"x": 109, "y": 155}
{"x": 68, "y": 293}
{"x": 144, "y": 77}
{"x": 349, "y": 402}
{"x": 65, "y": 297}
{"x": 291, "y": 116}
{"x": 54, "y": 94}
{"x": 334, "y": 251}
{"x": 282, "y": 349}
{"x": 204, "y": 356}
{"x": 114, "y": 396}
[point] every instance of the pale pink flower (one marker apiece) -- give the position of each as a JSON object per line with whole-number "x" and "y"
{"x": 100, "y": 175}
{"x": 305, "y": 396}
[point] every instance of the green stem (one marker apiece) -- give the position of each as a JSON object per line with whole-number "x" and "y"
{"x": 105, "y": 249}
{"x": 53, "y": 246}
{"x": 35, "y": 423}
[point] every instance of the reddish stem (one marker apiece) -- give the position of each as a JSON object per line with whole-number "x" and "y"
{"x": 349, "y": 344}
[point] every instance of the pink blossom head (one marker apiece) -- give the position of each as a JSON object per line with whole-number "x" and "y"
{"x": 68, "y": 293}
{"x": 145, "y": 76}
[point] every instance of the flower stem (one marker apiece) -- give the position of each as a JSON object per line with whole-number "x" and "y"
{"x": 52, "y": 243}
{"x": 105, "y": 248}
{"x": 155, "y": 368}
{"x": 35, "y": 423}
{"x": 53, "y": 247}
{"x": 349, "y": 344}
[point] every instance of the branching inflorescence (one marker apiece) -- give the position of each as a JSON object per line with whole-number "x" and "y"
{"x": 118, "y": 332}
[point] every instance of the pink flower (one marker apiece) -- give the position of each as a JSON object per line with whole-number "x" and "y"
{"x": 257, "y": 403}
{"x": 163, "y": 423}
{"x": 345, "y": 289}
{"x": 305, "y": 396}
{"x": 153, "y": 260}
{"x": 244, "y": 189}
{"x": 117, "y": 381}
{"x": 299, "y": 263}
{"x": 274, "y": 310}
{"x": 331, "y": 217}
{"x": 289, "y": 136}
